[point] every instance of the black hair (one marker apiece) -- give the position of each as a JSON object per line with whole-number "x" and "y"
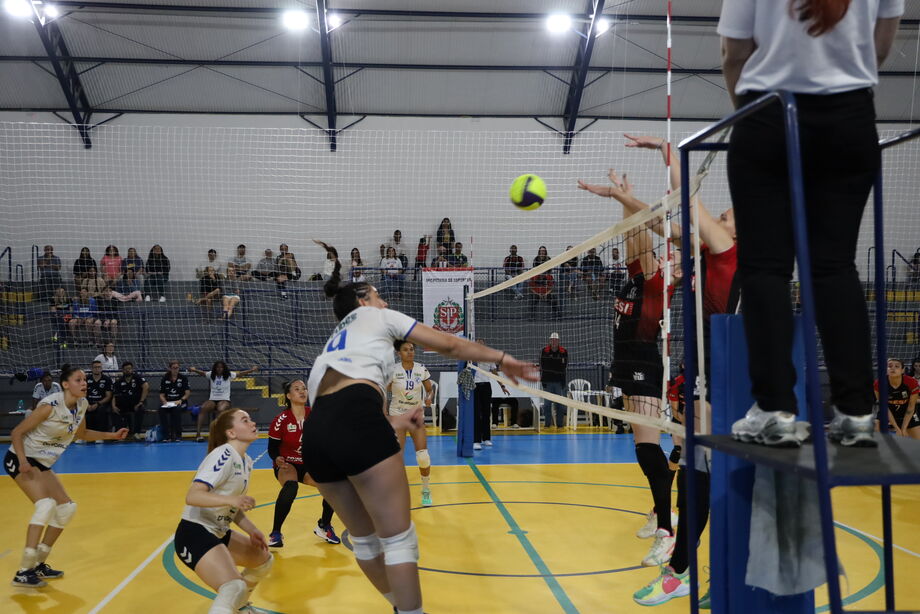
{"x": 224, "y": 373}
{"x": 240, "y": 245}
{"x": 97, "y": 362}
{"x": 286, "y": 388}
{"x": 47, "y": 373}
{"x": 66, "y": 371}
{"x": 126, "y": 363}
{"x": 397, "y": 345}
{"x": 897, "y": 360}
{"x": 344, "y": 296}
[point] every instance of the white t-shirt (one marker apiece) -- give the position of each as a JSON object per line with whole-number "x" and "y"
{"x": 220, "y": 386}
{"x": 109, "y": 363}
{"x": 391, "y": 266}
{"x": 786, "y": 57}
{"x": 227, "y": 474}
{"x": 361, "y": 346}
{"x": 479, "y": 378}
{"x": 47, "y": 441}
{"x": 40, "y": 393}
{"x": 407, "y": 386}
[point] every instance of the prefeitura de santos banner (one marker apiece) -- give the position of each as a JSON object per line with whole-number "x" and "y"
{"x": 442, "y": 298}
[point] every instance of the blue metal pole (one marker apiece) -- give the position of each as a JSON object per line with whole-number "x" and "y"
{"x": 812, "y": 384}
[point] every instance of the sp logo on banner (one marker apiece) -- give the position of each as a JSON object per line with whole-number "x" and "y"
{"x": 442, "y": 298}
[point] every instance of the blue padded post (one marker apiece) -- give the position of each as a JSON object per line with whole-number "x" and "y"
{"x": 464, "y": 417}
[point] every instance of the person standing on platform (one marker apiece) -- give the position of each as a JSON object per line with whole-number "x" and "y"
{"x": 553, "y": 362}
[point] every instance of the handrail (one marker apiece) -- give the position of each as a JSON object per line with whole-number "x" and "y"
{"x": 893, "y": 266}
{"x": 35, "y": 253}
{"x": 869, "y": 268}
{"x": 900, "y": 138}
{"x": 8, "y": 252}
{"x": 20, "y": 273}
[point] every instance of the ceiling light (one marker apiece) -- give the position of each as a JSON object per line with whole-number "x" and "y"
{"x": 558, "y": 23}
{"x": 333, "y": 21}
{"x": 18, "y": 8}
{"x": 602, "y": 25}
{"x": 295, "y": 20}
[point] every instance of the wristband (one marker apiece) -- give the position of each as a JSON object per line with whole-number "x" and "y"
{"x": 500, "y": 360}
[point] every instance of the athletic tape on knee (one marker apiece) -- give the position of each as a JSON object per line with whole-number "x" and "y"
{"x": 401, "y": 548}
{"x": 63, "y": 513}
{"x": 254, "y": 575}
{"x": 228, "y": 598}
{"x": 44, "y": 510}
{"x": 366, "y": 548}
{"x": 423, "y": 459}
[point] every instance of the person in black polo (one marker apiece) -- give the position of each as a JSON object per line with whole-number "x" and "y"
{"x": 130, "y": 392}
{"x": 553, "y": 360}
{"x": 99, "y": 397}
{"x": 174, "y": 394}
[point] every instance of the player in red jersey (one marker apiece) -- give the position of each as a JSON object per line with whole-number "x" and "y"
{"x": 284, "y": 448}
{"x": 903, "y": 391}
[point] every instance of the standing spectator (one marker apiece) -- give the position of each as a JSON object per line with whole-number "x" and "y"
{"x": 445, "y": 235}
{"x": 108, "y": 313}
{"x": 514, "y": 266}
{"x": 617, "y": 271}
{"x": 85, "y": 316}
{"x": 265, "y": 269}
{"x": 421, "y": 254}
{"x": 130, "y": 393}
{"x": 157, "y": 272}
{"x": 49, "y": 272}
{"x": 482, "y": 404}
{"x": 43, "y": 388}
{"x": 242, "y": 264}
{"x": 592, "y": 271}
{"x": 111, "y": 264}
{"x": 219, "y": 398}
{"x": 99, "y": 396}
{"x": 397, "y": 243}
{"x": 356, "y": 274}
{"x": 93, "y": 283}
{"x": 208, "y": 291}
{"x": 108, "y": 359}
{"x": 174, "y": 394}
{"x": 82, "y": 265}
{"x": 440, "y": 261}
{"x": 132, "y": 262}
{"x": 553, "y": 362}
{"x": 129, "y": 288}
{"x": 287, "y": 270}
{"x": 391, "y": 275}
{"x": 211, "y": 262}
{"x": 230, "y": 289}
{"x": 458, "y": 258}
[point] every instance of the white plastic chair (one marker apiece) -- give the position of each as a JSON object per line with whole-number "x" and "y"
{"x": 435, "y": 404}
{"x": 579, "y": 390}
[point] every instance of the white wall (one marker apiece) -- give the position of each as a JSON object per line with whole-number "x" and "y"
{"x": 191, "y": 183}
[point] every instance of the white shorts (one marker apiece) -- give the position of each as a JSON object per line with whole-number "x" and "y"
{"x": 398, "y": 410}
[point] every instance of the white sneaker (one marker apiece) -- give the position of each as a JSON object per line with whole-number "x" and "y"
{"x": 487, "y": 443}
{"x": 661, "y": 550}
{"x": 99, "y": 442}
{"x": 770, "y": 428}
{"x": 162, "y": 299}
{"x": 477, "y": 446}
{"x": 147, "y": 298}
{"x": 651, "y": 525}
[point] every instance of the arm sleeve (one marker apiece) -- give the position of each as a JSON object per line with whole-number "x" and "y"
{"x": 425, "y": 374}
{"x": 215, "y": 468}
{"x": 890, "y": 8}
{"x": 274, "y": 431}
{"x": 35, "y": 393}
{"x": 398, "y": 325}
{"x": 274, "y": 448}
{"x": 737, "y": 19}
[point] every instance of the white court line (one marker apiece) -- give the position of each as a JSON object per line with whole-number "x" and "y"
{"x": 878, "y": 539}
{"x": 130, "y": 577}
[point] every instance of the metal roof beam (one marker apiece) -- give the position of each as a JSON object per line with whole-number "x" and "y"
{"x": 580, "y": 74}
{"x": 328, "y": 79}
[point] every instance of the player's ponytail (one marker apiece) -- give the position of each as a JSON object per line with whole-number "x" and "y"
{"x": 66, "y": 371}
{"x": 217, "y": 434}
{"x": 821, "y": 15}
{"x": 344, "y": 296}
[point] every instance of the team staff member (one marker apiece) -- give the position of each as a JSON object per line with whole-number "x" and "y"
{"x": 284, "y": 441}
{"x": 482, "y": 404}
{"x": 130, "y": 392}
{"x": 410, "y": 385}
{"x": 99, "y": 388}
{"x": 174, "y": 391}
{"x": 38, "y": 442}
{"x": 553, "y": 362}
{"x": 902, "y": 400}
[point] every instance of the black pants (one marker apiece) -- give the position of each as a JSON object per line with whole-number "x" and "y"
{"x": 171, "y": 421}
{"x": 482, "y": 410}
{"x": 99, "y": 419}
{"x": 133, "y": 420}
{"x": 841, "y": 158}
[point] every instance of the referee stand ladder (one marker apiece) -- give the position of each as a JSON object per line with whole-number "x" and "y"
{"x": 896, "y": 460}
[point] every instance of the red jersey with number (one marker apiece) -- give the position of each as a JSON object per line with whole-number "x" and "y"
{"x": 638, "y": 307}
{"x": 720, "y": 288}
{"x": 287, "y": 429}
{"x": 898, "y": 398}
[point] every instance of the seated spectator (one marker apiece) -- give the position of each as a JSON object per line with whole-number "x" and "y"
{"x": 400, "y": 247}
{"x": 265, "y": 269}
{"x": 130, "y": 393}
{"x": 458, "y": 258}
{"x": 212, "y": 263}
{"x": 541, "y": 257}
{"x": 132, "y": 262}
{"x": 60, "y": 301}
{"x": 220, "y": 377}
{"x": 108, "y": 359}
{"x": 157, "y": 274}
{"x": 60, "y": 314}
{"x": 356, "y": 273}
{"x": 99, "y": 396}
{"x": 242, "y": 264}
{"x": 93, "y": 283}
{"x": 541, "y": 290}
{"x": 111, "y": 264}
{"x": 129, "y": 288}
{"x": 85, "y": 317}
{"x": 391, "y": 275}
{"x": 286, "y": 270}
{"x": 592, "y": 271}
{"x": 174, "y": 394}
{"x": 383, "y": 253}
{"x": 332, "y": 258}
{"x": 208, "y": 291}
{"x": 421, "y": 254}
{"x": 568, "y": 273}
{"x": 82, "y": 265}
{"x": 43, "y": 388}
{"x": 617, "y": 270}
{"x": 514, "y": 266}
{"x": 49, "y": 272}
{"x": 445, "y": 235}
{"x": 108, "y": 313}
{"x": 440, "y": 261}
{"x": 230, "y": 289}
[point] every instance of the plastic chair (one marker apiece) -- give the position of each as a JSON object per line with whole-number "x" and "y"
{"x": 579, "y": 390}
{"x": 435, "y": 404}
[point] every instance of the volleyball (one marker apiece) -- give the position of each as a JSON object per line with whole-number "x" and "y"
{"x": 528, "y": 192}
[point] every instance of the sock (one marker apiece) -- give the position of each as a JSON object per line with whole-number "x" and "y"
{"x": 389, "y": 597}
{"x": 426, "y": 482}
{"x": 326, "y": 518}
{"x": 286, "y": 497}
{"x": 43, "y": 551}
{"x": 29, "y": 559}
{"x": 654, "y": 465}
{"x": 680, "y": 557}
{"x": 416, "y": 611}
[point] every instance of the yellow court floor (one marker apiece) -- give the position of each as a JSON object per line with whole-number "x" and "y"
{"x": 500, "y": 539}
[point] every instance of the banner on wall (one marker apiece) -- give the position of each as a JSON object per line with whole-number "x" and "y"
{"x": 442, "y": 298}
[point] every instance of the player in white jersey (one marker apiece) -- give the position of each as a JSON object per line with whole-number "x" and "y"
{"x": 217, "y": 497}
{"x": 410, "y": 386}
{"x": 349, "y": 445}
{"x": 38, "y": 441}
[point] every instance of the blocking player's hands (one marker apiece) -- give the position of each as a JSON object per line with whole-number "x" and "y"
{"x": 644, "y": 142}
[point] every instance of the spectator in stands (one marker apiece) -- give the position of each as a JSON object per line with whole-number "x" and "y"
{"x": 129, "y": 288}
{"x": 219, "y": 398}
{"x": 421, "y": 254}
{"x": 541, "y": 257}
{"x": 541, "y": 287}
{"x": 230, "y": 290}
{"x": 445, "y": 235}
{"x": 43, "y": 388}
{"x": 211, "y": 262}
{"x": 592, "y": 271}
{"x": 617, "y": 270}
{"x": 99, "y": 396}
{"x": 913, "y": 271}
{"x": 356, "y": 274}
{"x": 514, "y": 266}
{"x": 383, "y": 253}
{"x": 208, "y": 291}
{"x": 397, "y": 243}
{"x": 174, "y": 394}
{"x": 391, "y": 275}
{"x": 82, "y": 265}
{"x": 458, "y": 258}
{"x": 111, "y": 264}
{"x": 130, "y": 393}
{"x": 440, "y": 261}
{"x": 157, "y": 272}
{"x": 242, "y": 264}
{"x": 60, "y": 301}
{"x": 85, "y": 317}
{"x": 93, "y": 283}
{"x": 60, "y": 313}
{"x": 568, "y": 275}
{"x": 554, "y": 360}
{"x": 108, "y": 313}
{"x": 49, "y": 272}
{"x": 132, "y": 262}
{"x": 332, "y": 258}
{"x": 915, "y": 368}
{"x": 286, "y": 270}
{"x": 265, "y": 270}
{"x": 108, "y": 359}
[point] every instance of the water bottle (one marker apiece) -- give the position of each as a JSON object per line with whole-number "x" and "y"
{"x": 21, "y": 407}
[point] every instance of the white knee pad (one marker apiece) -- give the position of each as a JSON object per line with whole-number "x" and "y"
{"x": 254, "y": 575}
{"x": 44, "y": 510}
{"x": 230, "y": 596}
{"x": 63, "y": 512}
{"x": 366, "y": 548}
{"x": 422, "y": 458}
{"x": 401, "y": 548}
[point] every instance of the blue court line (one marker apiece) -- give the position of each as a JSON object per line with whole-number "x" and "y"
{"x": 558, "y": 592}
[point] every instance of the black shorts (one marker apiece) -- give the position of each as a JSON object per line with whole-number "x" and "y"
{"x": 11, "y": 464}
{"x": 193, "y": 541}
{"x": 301, "y": 471}
{"x": 347, "y": 434}
{"x": 898, "y": 416}
{"x": 637, "y": 370}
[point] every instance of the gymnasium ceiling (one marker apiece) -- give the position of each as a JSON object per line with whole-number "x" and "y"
{"x": 389, "y": 57}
